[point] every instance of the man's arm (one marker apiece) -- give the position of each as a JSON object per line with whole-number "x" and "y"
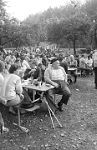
{"x": 19, "y": 88}
{"x": 3, "y": 100}
{"x": 65, "y": 75}
{"x": 48, "y": 79}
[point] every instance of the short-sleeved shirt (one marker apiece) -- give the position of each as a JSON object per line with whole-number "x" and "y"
{"x": 11, "y": 86}
{"x": 1, "y": 80}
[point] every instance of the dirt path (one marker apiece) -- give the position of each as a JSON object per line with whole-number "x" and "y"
{"x": 79, "y": 120}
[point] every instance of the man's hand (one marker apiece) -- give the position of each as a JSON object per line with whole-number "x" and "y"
{"x": 32, "y": 71}
{"x": 55, "y": 85}
{"x": 22, "y": 96}
{"x": 5, "y": 102}
{"x": 35, "y": 80}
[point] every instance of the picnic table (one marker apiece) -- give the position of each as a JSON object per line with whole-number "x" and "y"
{"x": 71, "y": 72}
{"x": 72, "y": 69}
{"x": 42, "y": 89}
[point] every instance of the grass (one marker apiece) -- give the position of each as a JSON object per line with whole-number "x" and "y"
{"x": 79, "y": 120}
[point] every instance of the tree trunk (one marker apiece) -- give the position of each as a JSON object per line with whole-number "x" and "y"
{"x": 0, "y": 42}
{"x": 74, "y": 46}
{"x": 1, "y": 47}
{"x": 95, "y": 39}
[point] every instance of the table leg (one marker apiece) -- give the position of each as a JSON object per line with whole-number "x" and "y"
{"x": 34, "y": 92}
{"x": 51, "y": 118}
{"x": 53, "y": 113}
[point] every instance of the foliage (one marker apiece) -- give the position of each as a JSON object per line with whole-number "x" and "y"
{"x": 54, "y": 32}
{"x": 91, "y": 11}
{"x": 73, "y": 24}
{"x": 75, "y": 27}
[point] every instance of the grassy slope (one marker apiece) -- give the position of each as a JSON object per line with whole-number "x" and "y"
{"x": 79, "y": 120}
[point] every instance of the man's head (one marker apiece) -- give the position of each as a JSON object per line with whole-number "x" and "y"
{"x": 55, "y": 63}
{"x": 33, "y": 64}
{"x": 13, "y": 69}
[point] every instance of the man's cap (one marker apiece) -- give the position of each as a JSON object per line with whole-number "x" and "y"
{"x": 53, "y": 60}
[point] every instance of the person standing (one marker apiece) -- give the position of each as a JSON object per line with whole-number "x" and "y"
{"x": 25, "y": 63}
{"x": 95, "y": 67}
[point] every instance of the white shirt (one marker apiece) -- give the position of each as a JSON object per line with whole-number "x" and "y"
{"x": 89, "y": 62}
{"x": 57, "y": 74}
{"x": 25, "y": 65}
{"x": 7, "y": 59}
{"x": 1, "y": 80}
{"x": 82, "y": 62}
{"x": 95, "y": 59}
{"x": 11, "y": 85}
{"x": 39, "y": 60}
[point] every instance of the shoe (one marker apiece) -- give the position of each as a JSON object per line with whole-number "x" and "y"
{"x": 27, "y": 106}
{"x": 56, "y": 111}
{"x": 60, "y": 106}
{"x": 4, "y": 129}
{"x": 75, "y": 81}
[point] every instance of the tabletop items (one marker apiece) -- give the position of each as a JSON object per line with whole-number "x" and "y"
{"x": 36, "y": 83}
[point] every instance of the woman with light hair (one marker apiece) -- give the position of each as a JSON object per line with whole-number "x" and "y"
{"x": 73, "y": 62}
{"x": 25, "y": 63}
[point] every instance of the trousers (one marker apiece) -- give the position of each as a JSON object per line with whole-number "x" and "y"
{"x": 62, "y": 89}
{"x": 17, "y": 100}
{"x": 95, "y": 79}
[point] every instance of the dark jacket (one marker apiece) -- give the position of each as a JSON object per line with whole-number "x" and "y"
{"x": 64, "y": 65}
{"x": 36, "y": 75}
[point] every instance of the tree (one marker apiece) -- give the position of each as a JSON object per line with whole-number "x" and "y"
{"x": 8, "y": 26}
{"x": 91, "y": 11}
{"x": 54, "y": 32}
{"x": 75, "y": 27}
{"x": 3, "y": 16}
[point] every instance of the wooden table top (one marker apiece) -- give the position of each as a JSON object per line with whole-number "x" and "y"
{"x": 43, "y": 88}
{"x": 72, "y": 69}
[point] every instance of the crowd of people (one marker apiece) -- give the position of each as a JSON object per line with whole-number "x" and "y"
{"x": 15, "y": 67}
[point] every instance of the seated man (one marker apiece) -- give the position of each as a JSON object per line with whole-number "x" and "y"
{"x": 64, "y": 64}
{"x": 56, "y": 76}
{"x": 36, "y": 73}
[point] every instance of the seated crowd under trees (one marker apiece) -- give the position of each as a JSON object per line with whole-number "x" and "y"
{"x": 16, "y": 67}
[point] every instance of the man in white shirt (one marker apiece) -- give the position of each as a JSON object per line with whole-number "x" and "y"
{"x": 95, "y": 67}
{"x": 89, "y": 62}
{"x": 56, "y": 76}
{"x": 25, "y": 63}
{"x": 2, "y": 100}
